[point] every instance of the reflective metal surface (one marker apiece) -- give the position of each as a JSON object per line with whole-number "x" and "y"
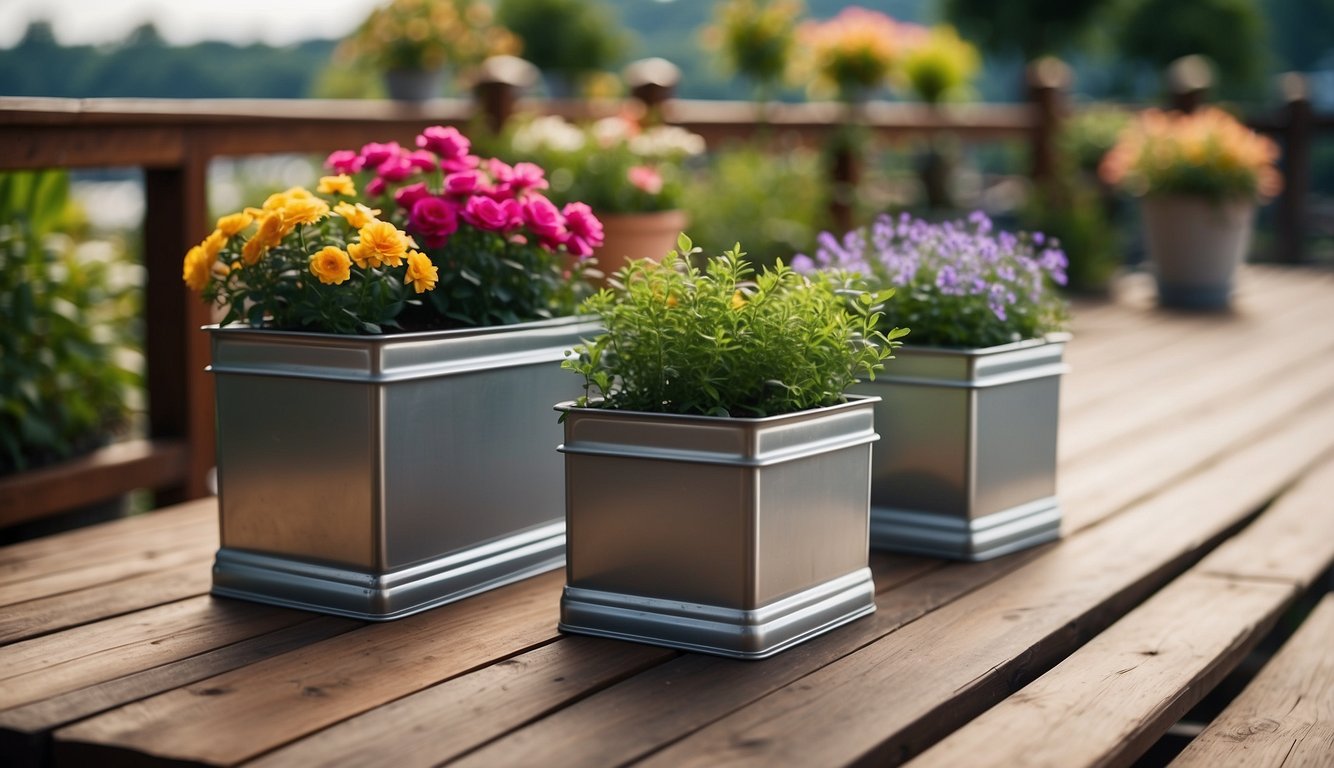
{"x": 732, "y": 536}
{"x": 378, "y": 476}
{"x": 966, "y": 465}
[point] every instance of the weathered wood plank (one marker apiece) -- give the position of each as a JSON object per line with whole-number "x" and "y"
{"x": 1285, "y": 717}
{"x": 958, "y": 660}
{"x": 25, "y": 731}
{"x": 281, "y": 699}
{"x": 439, "y": 723}
{"x": 191, "y": 548}
{"x": 32, "y": 670}
{"x": 1127, "y": 686}
{"x": 1050, "y": 598}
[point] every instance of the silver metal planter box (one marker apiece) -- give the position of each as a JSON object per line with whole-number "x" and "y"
{"x": 966, "y": 468}
{"x": 739, "y": 537}
{"x": 376, "y": 477}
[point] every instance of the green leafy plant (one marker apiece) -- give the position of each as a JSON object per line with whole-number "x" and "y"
{"x": 427, "y": 35}
{"x": 567, "y": 38}
{"x": 755, "y": 39}
{"x": 64, "y": 389}
{"x": 721, "y": 341}
{"x": 939, "y": 65}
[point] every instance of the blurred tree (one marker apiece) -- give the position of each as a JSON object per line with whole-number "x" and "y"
{"x": 1031, "y": 28}
{"x": 1230, "y": 33}
{"x": 566, "y": 39}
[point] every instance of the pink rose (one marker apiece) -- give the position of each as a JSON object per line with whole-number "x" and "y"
{"x": 465, "y": 163}
{"x": 465, "y": 183}
{"x": 422, "y": 160}
{"x": 446, "y": 142}
{"x": 585, "y": 230}
{"x": 528, "y": 176}
{"x": 645, "y": 178}
{"x": 396, "y": 168}
{"x": 375, "y": 153}
{"x": 545, "y": 220}
{"x": 435, "y": 219}
{"x": 375, "y": 187}
{"x": 344, "y": 161}
{"x": 491, "y": 215}
{"x": 408, "y": 196}
{"x": 502, "y": 178}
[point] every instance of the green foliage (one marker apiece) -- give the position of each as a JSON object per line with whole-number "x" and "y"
{"x": 712, "y": 341}
{"x": 1089, "y": 134}
{"x": 776, "y": 201}
{"x": 1032, "y": 27}
{"x": 755, "y": 38}
{"x": 1076, "y": 213}
{"x": 940, "y": 66}
{"x": 570, "y": 37}
{"x": 427, "y": 34}
{"x": 1158, "y": 32}
{"x": 62, "y": 390}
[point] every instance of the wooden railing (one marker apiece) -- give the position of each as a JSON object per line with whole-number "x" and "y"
{"x": 173, "y": 141}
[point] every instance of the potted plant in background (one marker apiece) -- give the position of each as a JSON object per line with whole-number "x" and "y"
{"x": 716, "y": 475}
{"x": 937, "y": 66}
{"x": 415, "y": 42}
{"x": 375, "y": 474}
{"x": 1199, "y": 177}
{"x": 966, "y": 467}
{"x": 629, "y": 174}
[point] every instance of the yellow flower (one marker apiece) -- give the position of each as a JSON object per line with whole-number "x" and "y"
{"x": 331, "y": 265}
{"x": 380, "y": 243}
{"x": 230, "y": 225}
{"x": 738, "y": 300}
{"x": 197, "y": 269}
{"x": 282, "y": 199}
{"x": 421, "y": 274}
{"x": 357, "y": 215}
{"x": 213, "y": 244}
{"x": 303, "y": 210}
{"x": 269, "y": 234}
{"x": 337, "y": 185}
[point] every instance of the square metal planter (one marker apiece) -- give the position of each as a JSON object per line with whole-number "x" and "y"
{"x": 739, "y": 537}
{"x": 966, "y": 468}
{"x": 377, "y": 476}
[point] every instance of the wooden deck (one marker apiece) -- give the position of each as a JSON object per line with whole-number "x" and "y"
{"x": 1197, "y": 479}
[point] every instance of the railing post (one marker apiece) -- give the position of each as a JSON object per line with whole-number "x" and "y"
{"x": 500, "y": 81}
{"x": 1298, "y": 119}
{"x": 1049, "y": 81}
{"x": 653, "y": 82}
{"x": 1189, "y": 80}
{"x": 180, "y": 392}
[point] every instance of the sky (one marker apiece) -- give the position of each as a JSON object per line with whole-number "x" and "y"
{"x": 275, "y": 22}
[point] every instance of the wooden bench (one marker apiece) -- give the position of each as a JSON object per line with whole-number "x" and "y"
{"x": 1197, "y": 454}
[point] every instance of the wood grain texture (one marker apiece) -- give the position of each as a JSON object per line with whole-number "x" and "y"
{"x": 32, "y": 670}
{"x": 25, "y": 731}
{"x": 958, "y": 660}
{"x": 282, "y": 699}
{"x": 1285, "y": 717}
{"x": 444, "y": 721}
{"x": 1128, "y": 685}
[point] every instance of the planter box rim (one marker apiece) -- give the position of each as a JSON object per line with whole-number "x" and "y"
{"x": 389, "y": 338}
{"x": 1056, "y": 337}
{"x": 851, "y": 401}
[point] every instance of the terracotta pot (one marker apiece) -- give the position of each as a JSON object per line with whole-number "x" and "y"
{"x": 637, "y": 236}
{"x": 1195, "y": 246}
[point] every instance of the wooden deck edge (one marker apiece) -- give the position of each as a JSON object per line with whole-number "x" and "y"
{"x": 103, "y": 474}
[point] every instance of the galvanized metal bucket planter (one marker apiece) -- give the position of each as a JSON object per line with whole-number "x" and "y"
{"x": 377, "y": 476}
{"x": 738, "y": 537}
{"x": 966, "y": 468}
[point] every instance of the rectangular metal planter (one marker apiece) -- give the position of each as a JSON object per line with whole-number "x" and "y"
{"x": 738, "y": 537}
{"x": 966, "y": 467}
{"x": 377, "y": 476}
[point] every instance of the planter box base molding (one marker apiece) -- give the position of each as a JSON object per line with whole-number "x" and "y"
{"x": 966, "y": 467}
{"x": 753, "y": 634}
{"x": 732, "y": 536}
{"x": 378, "y": 476}
{"x": 952, "y": 537}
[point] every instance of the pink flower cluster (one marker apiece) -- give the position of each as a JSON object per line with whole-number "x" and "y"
{"x": 489, "y": 195}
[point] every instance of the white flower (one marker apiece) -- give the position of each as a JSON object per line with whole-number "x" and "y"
{"x": 552, "y": 132}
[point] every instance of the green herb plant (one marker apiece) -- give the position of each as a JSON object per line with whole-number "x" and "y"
{"x": 721, "y": 341}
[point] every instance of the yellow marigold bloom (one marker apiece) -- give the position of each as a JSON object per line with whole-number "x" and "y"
{"x": 337, "y": 185}
{"x": 234, "y": 223}
{"x": 213, "y": 244}
{"x": 421, "y": 274}
{"x": 274, "y": 202}
{"x": 269, "y": 234}
{"x": 196, "y": 270}
{"x": 380, "y": 243}
{"x": 331, "y": 265}
{"x": 738, "y": 300}
{"x": 303, "y": 210}
{"x": 357, "y": 215}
